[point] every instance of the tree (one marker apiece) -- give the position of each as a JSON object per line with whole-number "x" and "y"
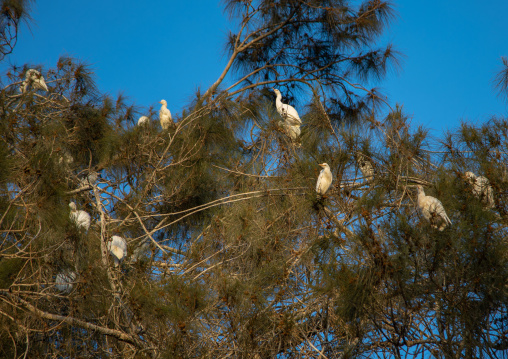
{"x": 230, "y": 251}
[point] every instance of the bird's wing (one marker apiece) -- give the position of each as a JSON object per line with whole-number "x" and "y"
{"x": 117, "y": 252}
{"x": 291, "y": 115}
{"x": 436, "y": 207}
{"x": 319, "y": 183}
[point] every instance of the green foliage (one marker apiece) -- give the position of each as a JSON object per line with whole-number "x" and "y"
{"x": 230, "y": 252}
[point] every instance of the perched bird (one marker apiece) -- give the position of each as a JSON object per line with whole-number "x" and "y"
{"x": 481, "y": 189}
{"x": 324, "y": 180}
{"x": 118, "y": 249}
{"x": 365, "y": 166}
{"x": 287, "y": 112}
{"x": 80, "y": 218}
{"x": 143, "y": 120}
{"x": 35, "y": 79}
{"x": 63, "y": 281}
{"x": 432, "y": 210}
{"x": 165, "y": 115}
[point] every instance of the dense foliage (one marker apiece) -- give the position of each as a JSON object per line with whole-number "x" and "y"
{"x": 230, "y": 252}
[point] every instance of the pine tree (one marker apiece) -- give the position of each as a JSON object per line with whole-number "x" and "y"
{"x": 230, "y": 251}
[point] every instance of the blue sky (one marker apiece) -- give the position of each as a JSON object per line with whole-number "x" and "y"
{"x": 168, "y": 49}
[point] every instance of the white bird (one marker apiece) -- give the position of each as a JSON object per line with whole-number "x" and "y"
{"x": 143, "y": 120}
{"x": 63, "y": 281}
{"x": 366, "y": 167}
{"x": 432, "y": 210}
{"x": 118, "y": 249}
{"x": 324, "y": 180}
{"x": 80, "y": 218}
{"x": 292, "y": 131}
{"x": 34, "y": 78}
{"x": 481, "y": 189}
{"x": 165, "y": 115}
{"x": 287, "y": 112}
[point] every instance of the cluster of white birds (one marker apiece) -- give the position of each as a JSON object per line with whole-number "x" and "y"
{"x": 117, "y": 246}
{"x": 164, "y": 116}
{"x": 429, "y": 207}
{"x": 33, "y": 79}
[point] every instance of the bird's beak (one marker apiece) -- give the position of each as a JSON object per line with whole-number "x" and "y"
{"x": 320, "y": 164}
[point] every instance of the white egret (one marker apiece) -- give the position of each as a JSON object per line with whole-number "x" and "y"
{"x": 432, "y": 210}
{"x": 34, "y": 78}
{"x": 80, "y": 218}
{"x": 165, "y": 115}
{"x": 143, "y": 120}
{"x": 63, "y": 281}
{"x": 366, "y": 167}
{"x": 324, "y": 180}
{"x": 117, "y": 246}
{"x": 287, "y": 112}
{"x": 481, "y": 189}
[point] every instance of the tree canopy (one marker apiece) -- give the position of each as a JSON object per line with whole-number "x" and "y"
{"x": 230, "y": 252}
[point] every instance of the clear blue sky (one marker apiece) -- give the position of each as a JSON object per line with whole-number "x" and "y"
{"x": 168, "y": 49}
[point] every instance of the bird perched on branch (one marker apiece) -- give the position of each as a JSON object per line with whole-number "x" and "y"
{"x": 287, "y": 112}
{"x": 324, "y": 180}
{"x": 165, "y": 115}
{"x": 290, "y": 116}
{"x": 365, "y": 166}
{"x": 35, "y": 79}
{"x": 143, "y": 120}
{"x": 80, "y": 218}
{"x": 481, "y": 189}
{"x": 118, "y": 249}
{"x": 432, "y": 210}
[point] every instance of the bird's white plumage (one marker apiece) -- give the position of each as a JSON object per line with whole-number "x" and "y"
{"x": 63, "y": 281}
{"x": 35, "y": 79}
{"x": 366, "y": 167}
{"x": 481, "y": 189}
{"x": 117, "y": 246}
{"x": 432, "y": 210}
{"x": 324, "y": 180}
{"x": 292, "y": 131}
{"x": 81, "y": 218}
{"x": 287, "y": 112}
{"x": 143, "y": 120}
{"x": 165, "y": 115}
